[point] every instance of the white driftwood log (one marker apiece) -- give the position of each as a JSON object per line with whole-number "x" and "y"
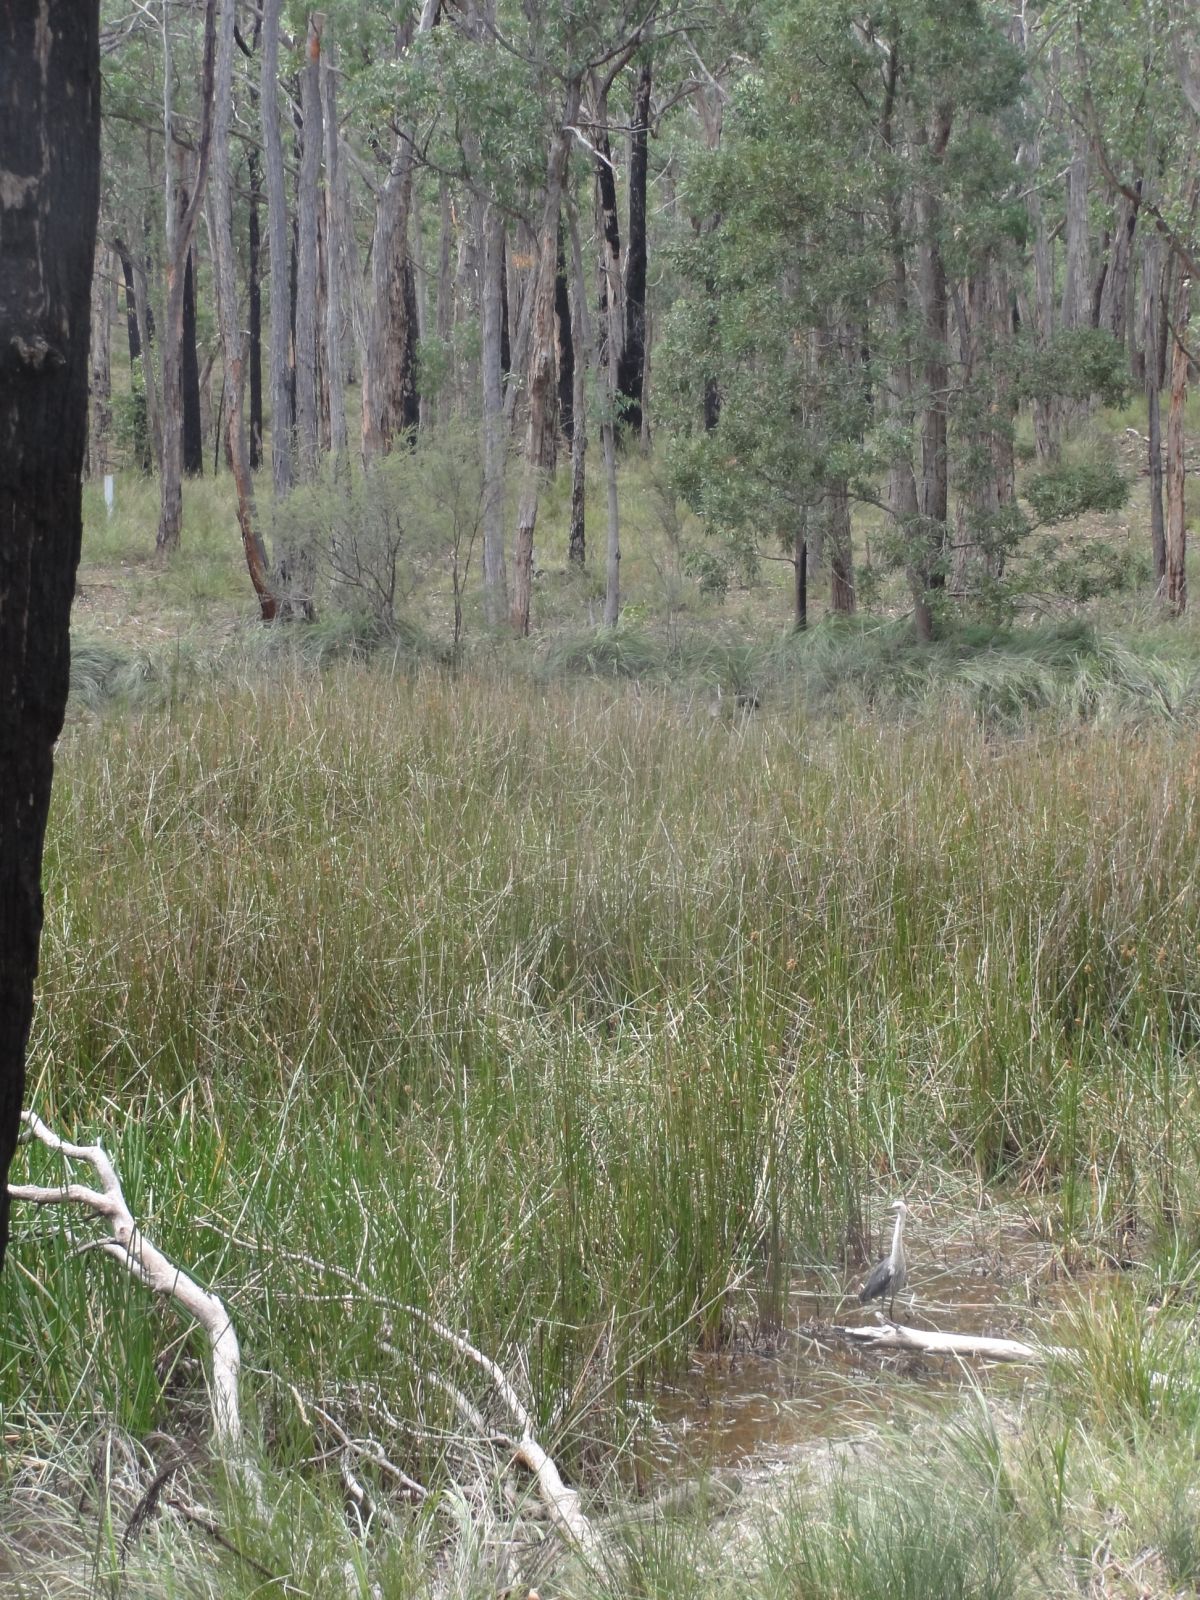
{"x": 895, "y": 1336}
{"x": 149, "y": 1266}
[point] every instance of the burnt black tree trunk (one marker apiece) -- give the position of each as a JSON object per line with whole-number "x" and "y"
{"x": 131, "y": 309}
{"x": 189, "y": 371}
{"x": 566, "y": 343}
{"x": 632, "y": 366}
{"x": 50, "y": 136}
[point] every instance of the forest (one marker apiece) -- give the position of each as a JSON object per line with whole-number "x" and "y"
{"x": 631, "y": 704}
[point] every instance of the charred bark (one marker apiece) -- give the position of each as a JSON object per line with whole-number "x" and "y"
{"x": 566, "y": 342}
{"x": 50, "y": 136}
{"x": 131, "y": 304}
{"x": 632, "y": 365}
{"x": 800, "y": 584}
{"x": 189, "y": 377}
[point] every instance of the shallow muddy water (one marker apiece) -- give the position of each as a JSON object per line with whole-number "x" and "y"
{"x": 762, "y": 1401}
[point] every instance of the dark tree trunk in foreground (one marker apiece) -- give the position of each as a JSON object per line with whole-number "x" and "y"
{"x": 50, "y": 136}
{"x": 632, "y": 367}
{"x": 189, "y": 373}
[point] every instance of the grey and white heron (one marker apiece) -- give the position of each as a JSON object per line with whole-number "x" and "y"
{"x": 891, "y": 1274}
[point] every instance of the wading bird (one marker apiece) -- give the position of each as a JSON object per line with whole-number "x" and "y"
{"x": 890, "y": 1276}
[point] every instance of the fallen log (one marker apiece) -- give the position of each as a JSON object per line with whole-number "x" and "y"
{"x": 896, "y": 1336}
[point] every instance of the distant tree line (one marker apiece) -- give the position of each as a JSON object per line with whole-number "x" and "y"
{"x": 831, "y": 255}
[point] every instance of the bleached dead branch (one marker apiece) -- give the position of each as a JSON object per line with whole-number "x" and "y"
{"x": 895, "y": 1336}
{"x": 128, "y": 1245}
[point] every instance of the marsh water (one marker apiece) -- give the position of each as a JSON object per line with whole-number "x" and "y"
{"x": 763, "y": 1401}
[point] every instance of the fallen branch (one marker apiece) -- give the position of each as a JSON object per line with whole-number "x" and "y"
{"x": 895, "y": 1336}
{"x": 149, "y": 1266}
{"x": 563, "y": 1504}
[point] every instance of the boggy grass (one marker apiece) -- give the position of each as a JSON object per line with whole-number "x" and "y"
{"x": 564, "y": 1014}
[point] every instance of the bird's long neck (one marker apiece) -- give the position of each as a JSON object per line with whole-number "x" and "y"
{"x": 897, "y": 1238}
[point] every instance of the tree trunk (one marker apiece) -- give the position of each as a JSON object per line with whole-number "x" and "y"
{"x": 1076, "y": 308}
{"x": 1151, "y": 284}
{"x": 1176, "y": 469}
{"x": 131, "y": 305}
{"x": 841, "y": 550}
{"x": 566, "y": 343}
{"x": 445, "y": 299}
{"x": 50, "y": 136}
{"x": 495, "y": 583}
{"x": 902, "y": 482}
{"x": 932, "y": 493}
{"x": 389, "y": 396}
{"x": 254, "y": 172}
{"x": 800, "y": 564}
{"x": 581, "y": 341}
{"x": 610, "y": 326}
{"x": 277, "y": 244}
{"x": 335, "y": 230}
{"x": 154, "y": 422}
{"x": 180, "y": 228}
{"x": 189, "y": 377}
{"x": 541, "y": 391}
{"x": 1116, "y": 280}
{"x": 308, "y": 424}
{"x": 100, "y": 419}
{"x": 221, "y": 217}
{"x": 612, "y": 560}
{"x": 632, "y": 366}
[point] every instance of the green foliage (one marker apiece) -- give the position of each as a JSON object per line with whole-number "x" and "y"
{"x": 1075, "y": 364}
{"x": 1071, "y": 489}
